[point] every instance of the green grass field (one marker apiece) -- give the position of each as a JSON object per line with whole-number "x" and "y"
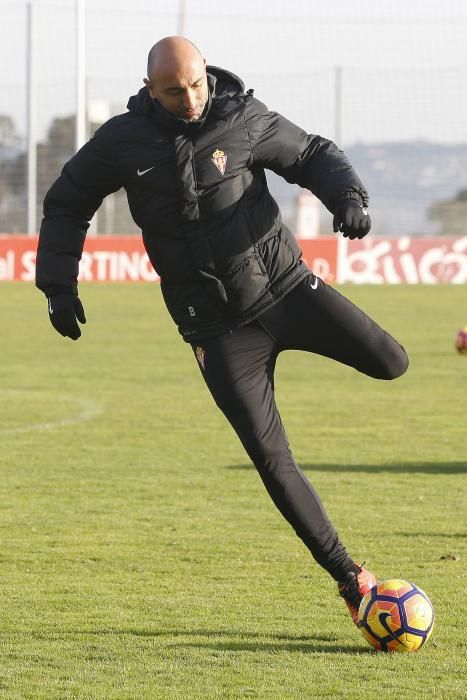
{"x": 140, "y": 555}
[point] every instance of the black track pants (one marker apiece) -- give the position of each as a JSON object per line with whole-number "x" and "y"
{"x": 238, "y": 368}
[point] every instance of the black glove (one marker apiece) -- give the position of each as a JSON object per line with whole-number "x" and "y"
{"x": 64, "y": 309}
{"x": 351, "y": 219}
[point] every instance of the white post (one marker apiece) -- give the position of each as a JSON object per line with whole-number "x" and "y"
{"x": 338, "y": 105}
{"x": 81, "y": 91}
{"x": 80, "y": 130}
{"x": 31, "y": 119}
{"x": 181, "y": 18}
{"x": 307, "y": 215}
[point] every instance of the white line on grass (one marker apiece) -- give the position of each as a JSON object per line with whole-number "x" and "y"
{"x": 89, "y": 411}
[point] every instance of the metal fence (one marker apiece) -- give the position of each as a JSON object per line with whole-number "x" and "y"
{"x": 387, "y": 85}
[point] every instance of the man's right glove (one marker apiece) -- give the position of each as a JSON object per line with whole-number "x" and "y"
{"x": 64, "y": 309}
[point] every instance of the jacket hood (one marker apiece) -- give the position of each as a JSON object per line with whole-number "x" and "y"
{"x": 227, "y": 83}
{"x": 223, "y": 86}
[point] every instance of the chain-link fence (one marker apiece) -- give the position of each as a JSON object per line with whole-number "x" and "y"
{"x": 386, "y": 85}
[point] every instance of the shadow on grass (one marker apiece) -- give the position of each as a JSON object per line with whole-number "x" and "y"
{"x": 393, "y": 468}
{"x": 309, "y": 648}
{"x": 238, "y": 641}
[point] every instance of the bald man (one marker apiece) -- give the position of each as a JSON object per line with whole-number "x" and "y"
{"x": 177, "y": 77}
{"x": 191, "y": 153}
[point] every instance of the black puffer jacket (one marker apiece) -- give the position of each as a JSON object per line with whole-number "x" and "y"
{"x": 198, "y": 192}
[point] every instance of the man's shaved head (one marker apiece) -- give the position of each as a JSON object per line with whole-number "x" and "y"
{"x": 177, "y": 77}
{"x": 172, "y": 48}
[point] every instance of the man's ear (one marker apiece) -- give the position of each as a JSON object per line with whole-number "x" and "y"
{"x": 148, "y": 85}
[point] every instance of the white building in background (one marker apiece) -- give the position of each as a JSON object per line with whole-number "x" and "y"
{"x": 308, "y": 212}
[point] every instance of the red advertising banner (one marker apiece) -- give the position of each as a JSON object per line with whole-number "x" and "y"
{"x": 17, "y": 258}
{"x": 105, "y": 259}
{"x": 320, "y": 254}
{"x": 402, "y": 260}
{"x": 372, "y": 260}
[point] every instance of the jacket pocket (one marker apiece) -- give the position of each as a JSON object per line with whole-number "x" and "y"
{"x": 279, "y": 254}
{"x": 246, "y": 284}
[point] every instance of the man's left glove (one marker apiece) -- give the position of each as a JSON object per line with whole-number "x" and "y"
{"x": 352, "y": 219}
{"x": 64, "y": 309}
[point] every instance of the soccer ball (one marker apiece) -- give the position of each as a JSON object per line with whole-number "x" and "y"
{"x": 461, "y": 341}
{"x": 396, "y": 615}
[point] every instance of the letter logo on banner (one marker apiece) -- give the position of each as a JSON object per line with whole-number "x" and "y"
{"x": 402, "y": 260}
{"x": 7, "y": 266}
{"x": 28, "y": 264}
{"x": 320, "y": 255}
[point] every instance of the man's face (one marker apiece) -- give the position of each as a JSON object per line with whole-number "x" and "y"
{"x": 182, "y": 90}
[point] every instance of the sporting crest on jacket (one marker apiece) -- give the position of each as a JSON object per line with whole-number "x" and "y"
{"x": 200, "y": 355}
{"x": 220, "y": 160}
